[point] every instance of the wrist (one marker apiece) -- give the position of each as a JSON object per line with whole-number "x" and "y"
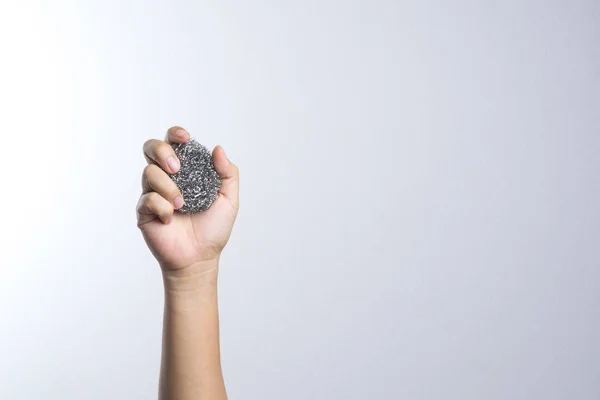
{"x": 191, "y": 278}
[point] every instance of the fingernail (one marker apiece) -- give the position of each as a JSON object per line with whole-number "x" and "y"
{"x": 178, "y": 202}
{"x": 224, "y": 152}
{"x": 173, "y": 164}
{"x": 181, "y": 133}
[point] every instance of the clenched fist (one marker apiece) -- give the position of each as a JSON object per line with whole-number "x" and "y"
{"x": 180, "y": 240}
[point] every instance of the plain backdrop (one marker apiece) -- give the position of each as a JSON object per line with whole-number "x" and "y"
{"x": 420, "y": 205}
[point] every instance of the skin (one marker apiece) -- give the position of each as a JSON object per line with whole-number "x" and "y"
{"x": 187, "y": 248}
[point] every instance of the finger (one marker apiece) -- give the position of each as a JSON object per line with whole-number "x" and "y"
{"x": 228, "y": 172}
{"x": 161, "y": 153}
{"x": 151, "y": 206}
{"x": 177, "y": 134}
{"x": 156, "y": 180}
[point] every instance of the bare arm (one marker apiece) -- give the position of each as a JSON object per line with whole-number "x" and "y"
{"x": 188, "y": 249}
{"x": 191, "y": 363}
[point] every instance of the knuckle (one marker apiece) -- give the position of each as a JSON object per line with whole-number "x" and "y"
{"x": 141, "y": 203}
{"x": 159, "y": 205}
{"x": 147, "y": 144}
{"x": 165, "y": 211}
{"x": 152, "y": 199}
{"x": 148, "y": 171}
{"x": 163, "y": 150}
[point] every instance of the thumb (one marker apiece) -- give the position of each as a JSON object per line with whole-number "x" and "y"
{"x": 228, "y": 172}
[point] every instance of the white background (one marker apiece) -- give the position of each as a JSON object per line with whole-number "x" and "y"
{"x": 420, "y": 211}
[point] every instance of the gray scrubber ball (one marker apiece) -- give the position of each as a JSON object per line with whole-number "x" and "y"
{"x": 197, "y": 179}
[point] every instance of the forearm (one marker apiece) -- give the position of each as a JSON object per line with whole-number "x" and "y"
{"x": 191, "y": 361}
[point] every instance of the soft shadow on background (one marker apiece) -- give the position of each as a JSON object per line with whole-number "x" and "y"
{"x": 420, "y": 209}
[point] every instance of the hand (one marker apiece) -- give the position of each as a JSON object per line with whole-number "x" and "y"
{"x": 180, "y": 240}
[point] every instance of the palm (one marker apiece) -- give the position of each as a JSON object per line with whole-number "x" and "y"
{"x": 191, "y": 238}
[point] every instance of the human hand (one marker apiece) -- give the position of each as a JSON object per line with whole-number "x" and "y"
{"x": 180, "y": 240}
